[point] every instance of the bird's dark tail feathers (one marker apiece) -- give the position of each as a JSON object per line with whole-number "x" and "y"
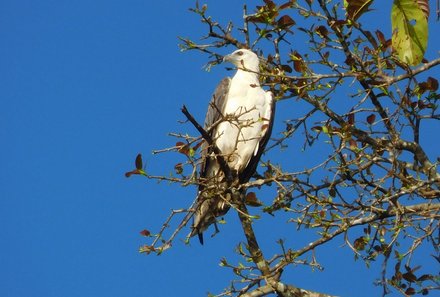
{"x": 206, "y": 212}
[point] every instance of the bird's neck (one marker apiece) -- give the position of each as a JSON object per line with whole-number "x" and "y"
{"x": 250, "y": 77}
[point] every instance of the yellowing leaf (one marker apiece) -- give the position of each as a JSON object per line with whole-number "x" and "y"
{"x": 424, "y": 6}
{"x": 410, "y": 31}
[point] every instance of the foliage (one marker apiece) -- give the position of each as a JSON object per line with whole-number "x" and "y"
{"x": 377, "y": 176}
{"x": 409, "y": 40}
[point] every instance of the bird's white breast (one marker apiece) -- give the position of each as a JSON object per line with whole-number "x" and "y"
{"x": 238, "y": 137}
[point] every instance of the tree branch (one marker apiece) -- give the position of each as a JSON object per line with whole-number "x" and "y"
{"x": 218, "y": 154}
{"x": 252, "y": 243}
{"x": 410, "y": 72}
{"x": 283, "y": 290}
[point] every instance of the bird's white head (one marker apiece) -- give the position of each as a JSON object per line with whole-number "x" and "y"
{"x": 243, "y": 58}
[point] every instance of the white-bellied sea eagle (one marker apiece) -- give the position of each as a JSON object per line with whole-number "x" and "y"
{"x": 239, "y": 121}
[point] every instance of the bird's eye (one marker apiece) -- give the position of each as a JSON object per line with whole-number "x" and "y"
{"x": 240, "y": 53}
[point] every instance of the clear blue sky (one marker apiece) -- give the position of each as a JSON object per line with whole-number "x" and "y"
{"x": 84, "y": 87}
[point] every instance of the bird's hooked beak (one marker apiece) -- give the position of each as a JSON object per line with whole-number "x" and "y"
{"x": 227, "y": 58}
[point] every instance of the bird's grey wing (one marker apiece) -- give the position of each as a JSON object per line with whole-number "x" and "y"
{"x": 217, "y": 104}
{"x": 249, "y": 171}
{"x": 215, "y": 112}
{"x": 208, "y": 208}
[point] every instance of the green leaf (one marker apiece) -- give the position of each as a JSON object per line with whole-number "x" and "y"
{"x": 410, "y": 31}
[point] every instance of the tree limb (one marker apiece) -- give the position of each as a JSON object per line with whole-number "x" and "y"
{"x": 218, "y": 154}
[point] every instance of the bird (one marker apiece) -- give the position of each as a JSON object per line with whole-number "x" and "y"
{"x": 239, "y": 122}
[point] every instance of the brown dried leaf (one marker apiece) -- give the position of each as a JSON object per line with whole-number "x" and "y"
{"x": 351, "y": 118}
{"x": 371, "y": 39}
{"x": 410, "y": 277}
{"x": 285, "y": 22}
{"x": 270, "y": 59}
{"x": 286, "y": 68}
{"x": 178, "y": 168}
{"x": 196, "y": 147}
{"x": 252, "y": 200}
{"x": 298, "y": 66}
{"x": 138, "y": 161}
{"x": 136, "y": 171}
{"x": 322, "y": 31}
{"x": 332, "y": 192}
{"x": 338, "y": 24}
{"x": 359, "y": 243}
{"x": 384, "y": 43}
{"x": 270, "y": 4}
{"x": 380, "y": 37}
{"x": 432, "y": 83}
{"x": 355, "y": 8}
{"x": 377, "y": 248}
{"x": 182, "y": 148}
{"x": 288, "y": 4}
{"x": 298, "y": 63}
{"x": 425, "y": 277}
{"x": 350, "y": 61}
{"x": 256, "y": 19}
{"x": 353, "y": 144}
{"x": 129, "y": 173}
{"x": 145, "y": 232}
{"x": 410, "y": 291}
{"x": 371, "y": 118}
